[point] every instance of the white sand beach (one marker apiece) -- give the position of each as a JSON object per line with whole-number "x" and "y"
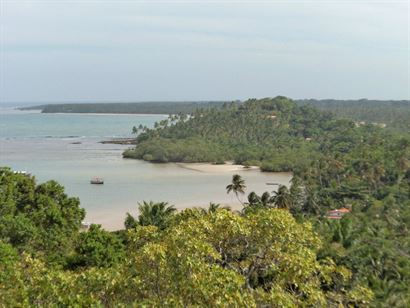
{"x": 213, "y": 168}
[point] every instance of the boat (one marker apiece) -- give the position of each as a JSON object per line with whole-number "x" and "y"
{"x": 272, "y": 184}
{"x": 97, "y": 181}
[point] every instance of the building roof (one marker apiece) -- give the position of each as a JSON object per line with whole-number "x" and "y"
{"x": 341, "y": 210}
{"x": 337, "y": 213}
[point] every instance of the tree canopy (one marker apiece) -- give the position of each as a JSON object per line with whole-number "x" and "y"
{"x": 283, "y": 249}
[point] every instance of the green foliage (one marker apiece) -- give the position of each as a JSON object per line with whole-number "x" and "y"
{"x": 282, "y": 198}
{"x": 366, "y": 171}
{"x": 261, "y": 256}
{"x": 215, "y": 259}
{"x": 237, "y": 186}
{"x": 151, "y": 214}
{"x": 40, "y": 219}
{"x": 395, "y": 114}
{"x": 141, "y": 107}
{"x": 267, "y": 132}
{"x": 355, "y": 166}
{"x": 162, "y": 150}
{"x": 97, "y": 247}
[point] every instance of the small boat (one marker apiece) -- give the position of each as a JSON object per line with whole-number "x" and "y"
{"x": 97, "y": 181}
{"x": 272, "y": 184}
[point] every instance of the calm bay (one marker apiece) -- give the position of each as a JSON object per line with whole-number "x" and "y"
{"x": 66, "y": 148}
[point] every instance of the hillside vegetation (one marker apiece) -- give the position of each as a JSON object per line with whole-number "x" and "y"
{"x": 276, "y": 134}
{"x": 393, "y": 114}
{"x": 280, "y": 250}
{"x": 336, "y": 163}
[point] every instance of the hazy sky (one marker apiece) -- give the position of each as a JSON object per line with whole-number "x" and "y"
{"x": 203, "y": 50}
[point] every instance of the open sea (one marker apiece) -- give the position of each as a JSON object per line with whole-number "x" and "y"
{"x": 66, "y": 148}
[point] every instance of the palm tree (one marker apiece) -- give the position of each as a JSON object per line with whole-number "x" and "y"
{"x": 256, "y": 202}
{"x": 152, "y": 214}
{"x": 213, "y": 207}
{"x": 237, "y": 186}
{"x": 130, "y": 222}
{"x": 282, "y": 198}
{"x": 266, "y": 199}
{"x": 253, "y": 199}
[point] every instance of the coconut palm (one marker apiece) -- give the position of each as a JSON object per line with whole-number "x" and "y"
{"x": 150, "y": 213}
{"x": 237, "y": 186}
{"x": 266, "y": 199}
{"x": 282, "y": 198}
{"x": 213, "y": 207}
{"x": 253, "y": 199}
{"x": 130, "y": 222}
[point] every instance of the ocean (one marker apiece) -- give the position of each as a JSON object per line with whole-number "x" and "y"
{"x": 67, "y": 148}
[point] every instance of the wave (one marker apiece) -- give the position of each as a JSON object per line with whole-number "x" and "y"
{"x": 42, "y": 137}
{"x": 60, "y": 137}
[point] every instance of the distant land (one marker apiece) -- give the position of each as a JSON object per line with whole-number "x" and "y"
{"x": 127, "y": 108}
{"x": 393, "y": 113}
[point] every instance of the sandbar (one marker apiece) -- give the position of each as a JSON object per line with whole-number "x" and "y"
{"x": 214, "y": 168}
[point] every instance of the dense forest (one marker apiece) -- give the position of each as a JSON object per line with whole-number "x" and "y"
{"x": 276, "y": 134}
{"x": 283, "y": 249}
{"x": 137, "y": 108}
{"x": 393, "y": 114}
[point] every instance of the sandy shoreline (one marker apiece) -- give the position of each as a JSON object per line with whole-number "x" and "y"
{"x": 113, "y": 220}
{"x": 212, "y": 168}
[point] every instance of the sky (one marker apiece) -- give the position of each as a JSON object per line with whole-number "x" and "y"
{"x": 88, "y": 50}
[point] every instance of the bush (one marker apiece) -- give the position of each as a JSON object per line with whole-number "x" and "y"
{"x": 97, "y": 247}
{"x": 250, "y": 163}
{"x": 148, "y": 157}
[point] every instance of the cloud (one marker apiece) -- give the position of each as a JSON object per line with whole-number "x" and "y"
{"x": 362, "y": 39}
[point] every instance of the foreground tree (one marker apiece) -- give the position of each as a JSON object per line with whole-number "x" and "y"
{"x": 194, "y": 258}
{"x": 40, "y": 219}
{"x": 221, "y": 259}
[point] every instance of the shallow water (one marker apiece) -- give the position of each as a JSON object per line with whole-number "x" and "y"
{"x": 42, "y": 144}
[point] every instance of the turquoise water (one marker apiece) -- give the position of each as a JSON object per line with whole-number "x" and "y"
{"x": 18, "y": 124}
{"x": 42, "y": 144}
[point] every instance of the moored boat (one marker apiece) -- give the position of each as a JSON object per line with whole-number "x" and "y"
{"x": 97, "y": 181}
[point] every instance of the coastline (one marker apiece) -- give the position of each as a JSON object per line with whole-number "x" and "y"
{"x": 114, "y": 221}
{"x": 108, "y": 114}
{"x": 127, "y": 181}
{"x": 213, "y": 168}
{"x": 122, "y": 141}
